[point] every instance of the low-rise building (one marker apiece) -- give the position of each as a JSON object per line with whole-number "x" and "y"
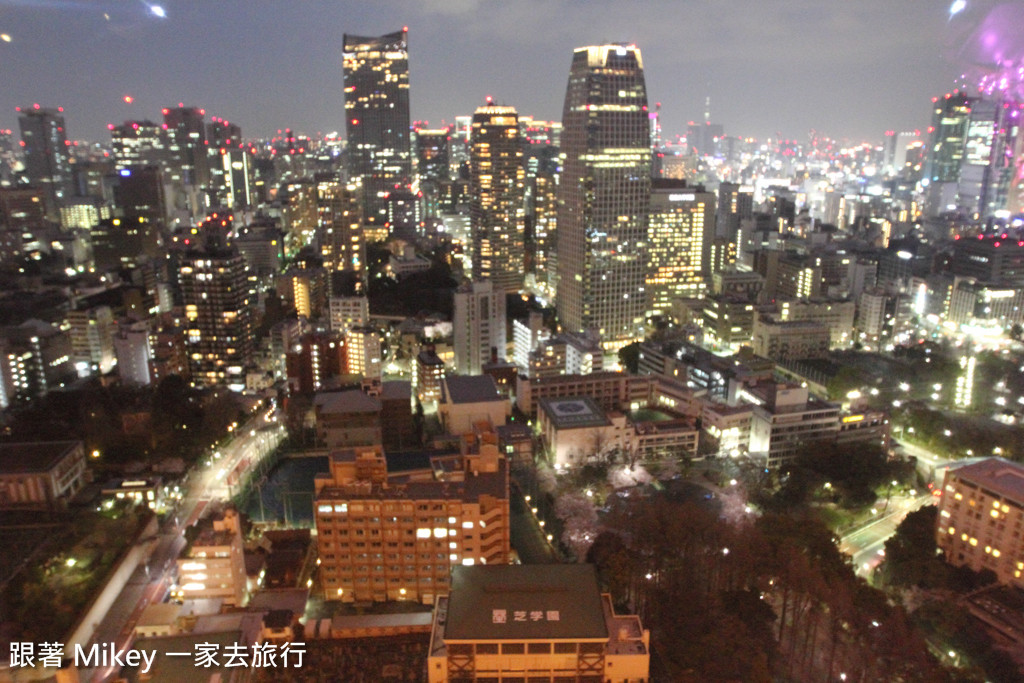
{"x": 395, "y": 535}
{"x": 727, "y": 427}
{"x": 141, "y": 491}
{"x": 467, "y": 402}
{"x": 575, "y": 429}
{"x": 787, "y": 418}
{"x": 981, "y": 518}
{"x": 347, "y": 418}
{"x": 656, "y": 434}
{"x": 44, "y": 474}
{"x": 534, "y": 622}
{"x": 515, "y": 442}
{"x": 864, "y": 426}
{"x": 214, "y": 565}
{"x": 398, "y": 429}
{"x": 783, "y": 340}
{"x": 566, "y": 354}
{"x": 427, "y": 377}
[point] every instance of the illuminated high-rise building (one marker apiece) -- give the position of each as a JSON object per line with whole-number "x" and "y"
{"x": 542, "y": 220}
{"x": 219, "y": 311}
{"x": 230, "y": 164}
{"x": 377, "y": 118}
{"x": 603, "y": 195}
{"x": 950, "y": 116}
{"x": 496, "y": 210}
{"x": 340, "y": 228}
{"x": 47, "y": 160}
{"x": 680, "y": 233}
{"x": 139, "y": 143}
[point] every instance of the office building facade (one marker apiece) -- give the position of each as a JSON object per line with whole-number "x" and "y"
{"x": 376, "y": 71}
{"x": 496, "y": 210}
{"x": 603, "y": 195}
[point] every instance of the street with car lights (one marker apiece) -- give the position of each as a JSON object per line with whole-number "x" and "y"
{"x": 206, "y": 483}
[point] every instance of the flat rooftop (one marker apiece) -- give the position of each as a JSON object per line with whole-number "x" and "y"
{"x": 33, "y": 457}
{"x": 351, "y": 401}
{"x": 575, "y": 412}
{"x": 470, "y": 389}
{"x": 997, "y": 474}
{"x": 423, "y": 484}
{"x": 525, "y": 602}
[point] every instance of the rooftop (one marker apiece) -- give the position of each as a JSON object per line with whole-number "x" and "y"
{"x": 414, "y": 484}
{"x": 575, "y": 412}
{"x": 525, "y": 602}
{"x": 351, "y": 401}
{"x": 1002, "y": 476}
{"x": 470, "y": 389}
{"x": 34, "y": 457}
{"x": 396, "y": 390}
{"x": 173, "y": 669}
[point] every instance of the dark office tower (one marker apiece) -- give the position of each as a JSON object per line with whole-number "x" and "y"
{"x": 680, "y": 233}
{"x": 432, "y": 155}
{"x": 603, "y": 195}
{"x": 432, "y": 167}
{"x": 221, "y": 133}
{"x": 219, "y": 314}
{"x": 47, "y": 159}
{"x": 139, "y": 193}
{"x": 187, "y": 146}
{"x": 735, "y": 203}
{"x": 339, "y": 229}
{"x": 136, "y": 231}
{"x": 496, "y": 210}
{"x": 139, "y": 143}
{"x": 377, "y": 118}
{"x": 22, "y": 213}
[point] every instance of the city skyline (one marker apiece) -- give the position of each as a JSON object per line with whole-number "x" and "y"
{"x": 844, "y": 71}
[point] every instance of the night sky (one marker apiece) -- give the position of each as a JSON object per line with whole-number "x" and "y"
{"x": 846, "y": 69}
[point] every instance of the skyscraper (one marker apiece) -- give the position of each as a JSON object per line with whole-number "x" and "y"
{"x": 340, "y": 229}
{"x": 139, "y": 143}
{"x": 950, "y": 118}
{"x": 377, "y": 117}
{"x": 604, "y": 194}
{"x": 47, "y": 160}
{"x": 432, "y": 155}
{"x": 219, "y": 312}
{"x": 187, "y": 146}
{"x": 680, "y": 232}
{"x": 496, "y": 210}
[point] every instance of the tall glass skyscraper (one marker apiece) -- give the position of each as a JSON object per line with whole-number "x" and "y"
{"x": 377, "y": 118}
{"x": 604, "y": 194}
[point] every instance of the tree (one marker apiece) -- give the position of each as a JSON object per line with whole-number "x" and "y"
{"x": 910, "y": 553}
{"x": 629, "y": 357}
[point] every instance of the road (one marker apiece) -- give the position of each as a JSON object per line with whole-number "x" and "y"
{"x": 207, "y": 482}
{"x": 866, "y": 543}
